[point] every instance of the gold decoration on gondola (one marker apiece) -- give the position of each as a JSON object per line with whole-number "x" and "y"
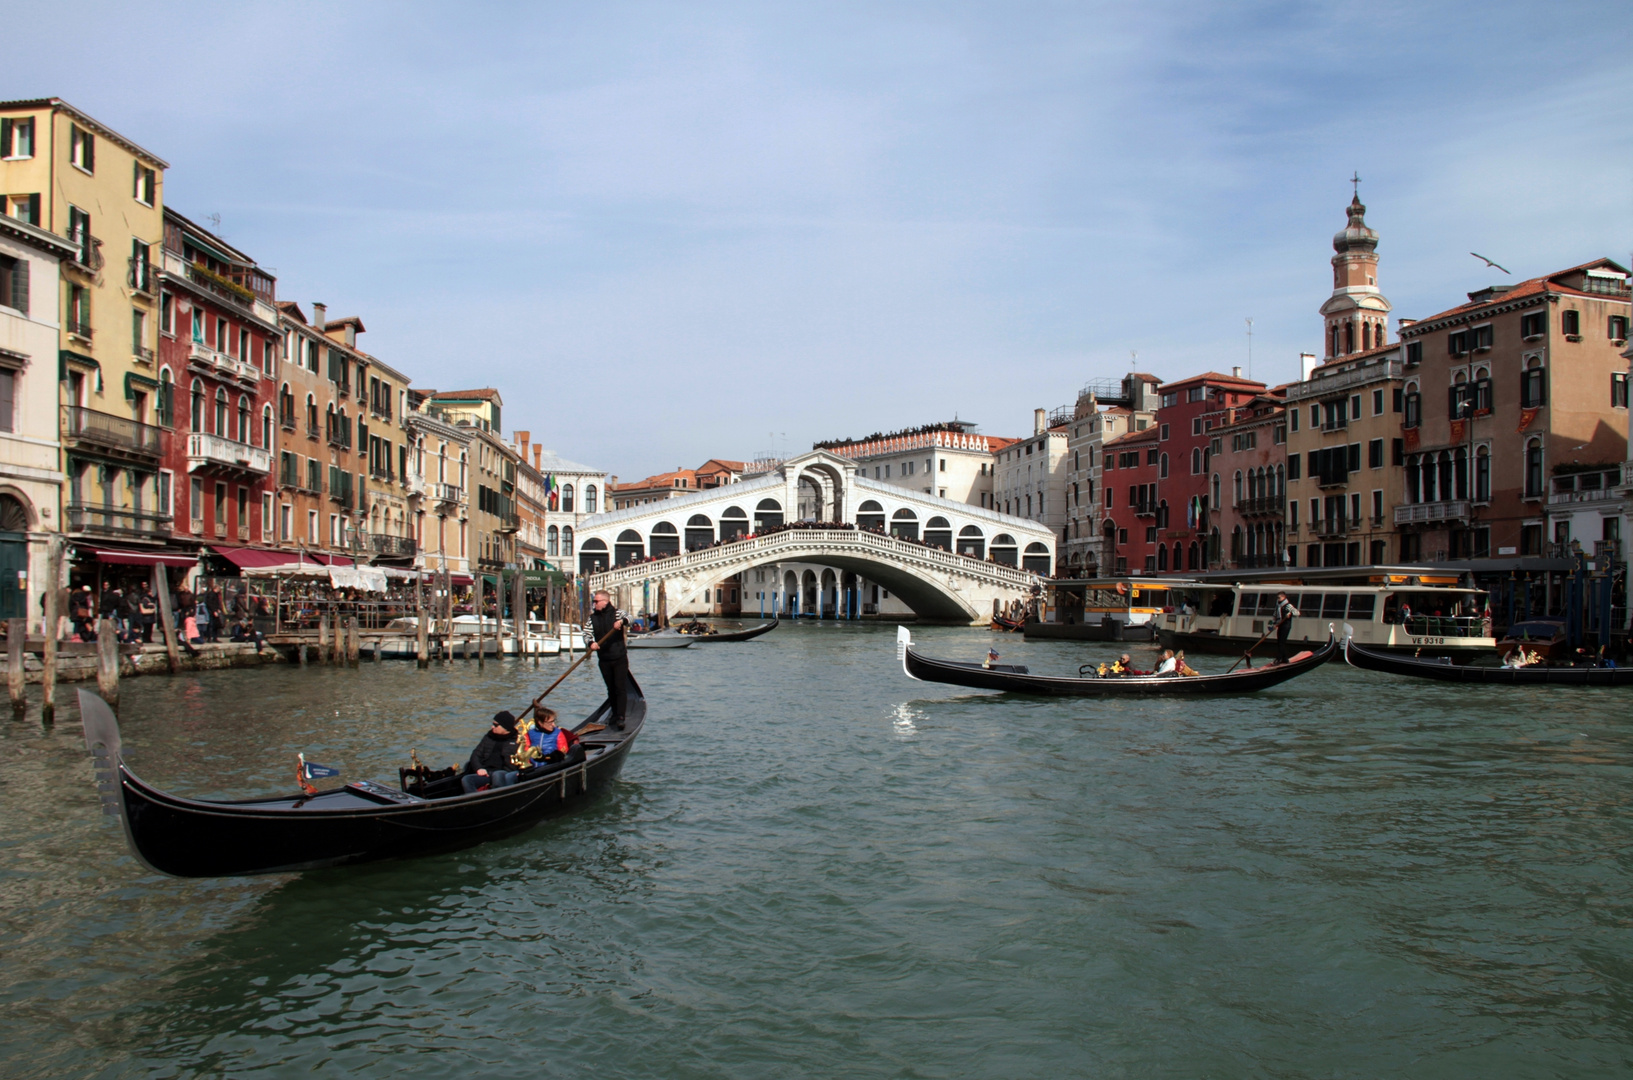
{"x": 527, "y": 755}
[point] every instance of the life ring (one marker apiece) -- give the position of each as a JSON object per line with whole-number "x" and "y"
{"x": 1122, "y": 588}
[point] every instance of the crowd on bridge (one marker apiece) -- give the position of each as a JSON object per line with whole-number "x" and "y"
{"x": 809, "y": 524}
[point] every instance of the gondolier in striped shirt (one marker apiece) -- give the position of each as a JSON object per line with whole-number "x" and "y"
{"x": 1285, "y": 614}
{"x": 613, "y": 656}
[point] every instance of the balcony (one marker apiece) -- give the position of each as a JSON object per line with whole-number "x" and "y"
{"x": 444, "y": 493}
{"x": 89, "y": 257}
{"x": 225, "y": 288}
{"x": 313, "y": 431}
{"x": 1145, "y": 509}
{"x": 1451, "y": 510}
{"x": 141, "y": 354}
{"x": 1264, "y": 506}
{"x": 215, "y": 362}
{"x": 80, "y": 328}
{"x": 117, "y": 521}
{"x": 392, "y": 545}
{"x": 141, "y": 277}
{"x": 508, "y": 523}
{"x": 115, "y": 435}
{"x": 214, "y": 452}
{"x": 1358, "y": 376}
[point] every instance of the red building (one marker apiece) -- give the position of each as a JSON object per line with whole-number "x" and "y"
{"x": 1131, "y": 482}
{"x": 218, "y": 342}
{"x": 1188, "y": 412}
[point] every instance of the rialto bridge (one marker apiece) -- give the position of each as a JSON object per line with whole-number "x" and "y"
{"x": 945, "y": 560}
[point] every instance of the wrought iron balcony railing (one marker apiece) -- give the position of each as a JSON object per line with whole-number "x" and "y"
{"x": 84, "y": 425}
{"x": 205, "y": 450}
{"x": 117, "y": 521}
{"x": 1432, "y": 512}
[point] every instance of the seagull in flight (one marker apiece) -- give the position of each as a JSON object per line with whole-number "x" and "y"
{"x": 1488, "y": 262}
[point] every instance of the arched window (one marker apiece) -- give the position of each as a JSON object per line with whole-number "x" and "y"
{"x": 767, "y": 515}
{"x": 1215, "y": 502}
{"x": 589, "y": 498}
{"x": 905, "y": 524}
{"x": 665, "y": 540}
{"x": 195, "y": 412}
{"x": 566, "y": 539}
{"x": 1162, "y": 558}
{"x": 567, "y": 498}
{"x": 699, "y": 532}
{"x": 1196, "y": 460}
{"x": 243, "y": 432}
{"x": 1162, "y": 467}
{"x": 266, "y": 427}
{"x": 733, "y": 523}
{"x": 938, "y": 532}
{"x": 629, "y": 547}
{"x": 1533, "y": 469}
{"x": 1237, "y": 490}
{"x": 1412, "y": 416}
{"x": 221, "y": 411}
{"x": 311, "y": 416}
{"x": 1281, "y": 482}
{"x": 1003, "y": 549}
{"x": 971, "y": 541}
{"x": 870, "y": 515}
{"x": 167, "y": 399}
{"x": 552, "y": 541}
{"x": 1482, "y": 474}
{"x": 1460, "y": 470}
{"x": 1036, "y": 558}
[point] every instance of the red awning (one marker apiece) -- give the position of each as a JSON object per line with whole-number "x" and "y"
{"x": 244, "y": 558}
{"x": 461, "y": 579}
{"x": 126, "y": 557}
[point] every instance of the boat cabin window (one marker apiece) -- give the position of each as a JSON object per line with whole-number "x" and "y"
{"x": 1334, "y": 605}
{"x": 1151, "y": 598}
{"x": 1362, "y": 606}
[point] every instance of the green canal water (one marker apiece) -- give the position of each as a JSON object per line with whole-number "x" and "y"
{"x": 815, "y": 867}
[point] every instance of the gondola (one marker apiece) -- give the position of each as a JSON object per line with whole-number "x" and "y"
{"x": 360, "y": 822}
{"x": 1444, "y": 670}
{"x": 658, "y": 639}
{"x": 1020, "y": 681}
{"x": 736, "y": 635}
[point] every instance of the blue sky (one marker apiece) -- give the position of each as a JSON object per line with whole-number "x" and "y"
{"x": 670, "y": 232}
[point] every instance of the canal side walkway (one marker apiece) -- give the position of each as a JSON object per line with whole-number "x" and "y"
{"x": 76, "y": 661}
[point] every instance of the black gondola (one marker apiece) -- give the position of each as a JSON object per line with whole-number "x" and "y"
{"x": 1445, "y": 671}
{"x": 736, "y": 635}
{"x": 360, "y": 822}
{"x": 1243, "y": 681}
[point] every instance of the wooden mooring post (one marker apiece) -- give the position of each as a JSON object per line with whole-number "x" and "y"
{"x": 16, "y": 638}
{"x": 422, "y": 650}
{"x": 323, "y": 638}
{"x": 354, "y": 641}
{"x": 481, "y": 620}
{"x": 107, "y": 662}
{"x": 167, "y": 619}
{"x": 53, "y": 604}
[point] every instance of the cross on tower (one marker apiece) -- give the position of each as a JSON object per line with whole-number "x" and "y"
{"x": 1356, "y": 180}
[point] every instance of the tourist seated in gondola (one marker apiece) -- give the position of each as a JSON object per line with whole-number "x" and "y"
{"x": 1182, "y": 667}
{"x": 1124, "y": 665}
{"x": 555, "y": 743}
{"x": 1168, "y": 665}
{"x": 490, "y": 764}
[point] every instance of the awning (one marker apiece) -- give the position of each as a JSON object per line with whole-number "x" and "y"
{"x": 126, "y": 557}
{"x": 244, "y": 558}
{"x": 366, "y": 578}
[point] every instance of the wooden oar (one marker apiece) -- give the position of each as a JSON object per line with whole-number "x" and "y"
{"x": 1255, "y": 645}
{"x": 569, "y": 671}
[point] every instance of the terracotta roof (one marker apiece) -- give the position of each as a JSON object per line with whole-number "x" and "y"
{"x": 1531, "y": 287}
{"x": 335, "y": 324}
{"x": 486, "y": 394}
{"x": 659, "y": 480}
{"x": 729, "y": 466}
{"x": 1350, "y": 358}
{"x": 293, "y": 310}
{"x": 1212, "y": 376}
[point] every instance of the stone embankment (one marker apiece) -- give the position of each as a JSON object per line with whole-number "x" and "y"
{"x": 77, "y": 662}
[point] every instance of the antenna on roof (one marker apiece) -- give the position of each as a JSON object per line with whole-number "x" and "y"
{"x": 1250, "y": 347}
{"x": 1133, "y": 359}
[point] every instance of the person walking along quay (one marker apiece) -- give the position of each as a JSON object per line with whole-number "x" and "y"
{"x": 612, "y": 654}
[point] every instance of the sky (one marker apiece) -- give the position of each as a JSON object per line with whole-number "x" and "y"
{"x": 671, "y": 232}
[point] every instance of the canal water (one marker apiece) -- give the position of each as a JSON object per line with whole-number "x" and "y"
{"x": 816, "y": 867}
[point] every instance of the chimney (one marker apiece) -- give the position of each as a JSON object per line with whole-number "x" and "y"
{"x": 1040, "y": 421}
{"x": 1236, "y": 372}
{"x": 1404, "y": 323}
{"x": 538, "y": 458}
{"x": 351, "y": 335}
{"x": 320, "y": 315}
{"x": 521, "y": 442}
{"x": 1306, "y": 365}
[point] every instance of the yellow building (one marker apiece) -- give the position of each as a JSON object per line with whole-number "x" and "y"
{"x": 69, "y": 174}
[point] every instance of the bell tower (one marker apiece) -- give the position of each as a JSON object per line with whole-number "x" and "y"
{"x": 1356, "y": 315}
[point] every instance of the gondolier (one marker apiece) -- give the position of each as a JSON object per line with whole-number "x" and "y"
{"x": 1285, "y": 614}
{"x": 613, "y": 656}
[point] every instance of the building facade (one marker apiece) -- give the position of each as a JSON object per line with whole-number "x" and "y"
{"x": 440, "y": 460}
{"x": 71, "y": 175}
{"x": 218, "y": 361}
{"x": 948, "y": 460}
{"x": 30, "y": 453}
{"x": 1247, "y": 487}
{"x": 322, "y": 379}
{"x": 1534, "y": 387}
{"x": 1029, "y": 478}
{"x": 392, "y": 500}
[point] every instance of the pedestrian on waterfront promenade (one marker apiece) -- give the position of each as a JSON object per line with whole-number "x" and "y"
{"x": 212, "y": 606}
{"x": 613, "y": 656}
{"x": 1285, "y": 613}
{"x": 147, "y": 609}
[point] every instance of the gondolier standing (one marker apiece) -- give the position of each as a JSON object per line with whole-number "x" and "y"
{"x": 1285, "y": 614}
{"x": 612, "y": 656}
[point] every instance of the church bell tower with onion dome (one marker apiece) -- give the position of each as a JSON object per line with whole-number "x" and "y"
{"x": 1356, "y": 315}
